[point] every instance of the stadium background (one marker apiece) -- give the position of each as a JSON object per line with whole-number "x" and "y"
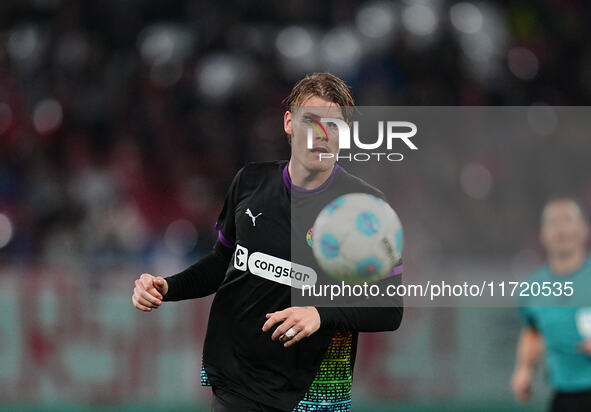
{"x": 123, "y": 122}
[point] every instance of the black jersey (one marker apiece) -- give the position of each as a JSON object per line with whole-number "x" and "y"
{"x": 258, "y": 220}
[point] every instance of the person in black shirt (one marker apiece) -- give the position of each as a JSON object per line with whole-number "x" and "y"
{"x": 260, "y": 352}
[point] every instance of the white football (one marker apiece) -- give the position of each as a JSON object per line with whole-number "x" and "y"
{"x": 357, "y": 238}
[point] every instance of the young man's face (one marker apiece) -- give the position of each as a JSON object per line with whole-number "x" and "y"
{"x": 564, "y": 229}
{"x": 325, "y": 137}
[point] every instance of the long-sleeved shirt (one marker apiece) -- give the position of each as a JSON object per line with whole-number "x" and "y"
{"x": 264, "y": 231}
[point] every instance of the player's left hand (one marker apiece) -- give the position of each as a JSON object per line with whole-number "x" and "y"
{"x": 585, "y": 346}
{"x": 304, "y": 321}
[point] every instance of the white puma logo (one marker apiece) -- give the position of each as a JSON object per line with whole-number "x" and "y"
{"x": 254, "y": 218}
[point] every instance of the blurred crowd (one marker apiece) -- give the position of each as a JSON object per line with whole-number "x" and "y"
{"x": 123, "y": 122}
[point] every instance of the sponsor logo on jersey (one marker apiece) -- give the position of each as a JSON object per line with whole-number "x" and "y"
{"x": 274, "y": 268}
{"x": 281, "y": 270}
{"x": 253, "y": 217}
{"x": 241, "y": 257}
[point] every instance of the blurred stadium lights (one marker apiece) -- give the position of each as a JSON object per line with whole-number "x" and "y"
{"x": 340, "y": 50}
{"x": 376, "y": 20}
{"x": 294, "y": 42}
{"x": 478, "y": 48}
{"x": 164, "y": 47}
{"x": 476, "y": 180}
{"x": 5, "y": 230}
{"x": 466, "y": 17}
{"x": 25, "y": 45}
{"x": 523, "y": 63}
{"x": 160, "y": 43}
{"x": 420, "y": 18}
{"x": 482, "y": 34}
{"x": 377, "y": 23}
{"x": 47, "y": 115}
{"x": 297, "y": 49}
{"x": 180, "y": 237}
{"x": 220, "y": 75}
{"x": 542, "y": 119}
{"x": 5, "y": 117}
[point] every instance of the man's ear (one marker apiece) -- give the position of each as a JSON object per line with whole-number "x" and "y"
{"x": 287, "y": 125}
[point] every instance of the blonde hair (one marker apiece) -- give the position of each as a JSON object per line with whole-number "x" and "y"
{"x": 326, "y": 86}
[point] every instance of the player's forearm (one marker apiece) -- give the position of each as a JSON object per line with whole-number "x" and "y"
{"x": 379, "y": 319}
{"x": 201, "y": 279}
{"x": 365, "y": 319}
{"x": 530, "y": 349}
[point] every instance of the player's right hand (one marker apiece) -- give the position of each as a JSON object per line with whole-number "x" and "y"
{"x": 521, "y": 384}
{"x": 148, "y": 292}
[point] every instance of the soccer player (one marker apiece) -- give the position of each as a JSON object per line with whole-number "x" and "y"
{"x": 559, "y": 325}
{"x": 260, "y": 352}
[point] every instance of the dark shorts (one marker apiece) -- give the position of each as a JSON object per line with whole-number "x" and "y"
{"x": 571, "y": 401}
{"x": 227, "y": 401}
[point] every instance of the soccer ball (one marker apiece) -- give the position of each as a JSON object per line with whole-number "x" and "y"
{"x": 357, "y": 238}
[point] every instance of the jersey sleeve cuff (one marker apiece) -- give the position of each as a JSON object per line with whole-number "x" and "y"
{"x": 328, "y": 316}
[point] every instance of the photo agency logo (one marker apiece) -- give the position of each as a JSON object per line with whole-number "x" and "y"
{"x": 388, "y": 133}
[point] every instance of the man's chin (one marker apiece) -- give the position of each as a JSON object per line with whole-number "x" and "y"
{"x": 320, "y": 163}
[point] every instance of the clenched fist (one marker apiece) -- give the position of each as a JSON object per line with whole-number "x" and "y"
{"x": 148, "y": 292}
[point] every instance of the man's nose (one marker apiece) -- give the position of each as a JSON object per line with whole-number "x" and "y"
{"x": 321, "y": 137}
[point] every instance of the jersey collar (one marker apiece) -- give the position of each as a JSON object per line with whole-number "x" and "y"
{"x": 290, "y": 186}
